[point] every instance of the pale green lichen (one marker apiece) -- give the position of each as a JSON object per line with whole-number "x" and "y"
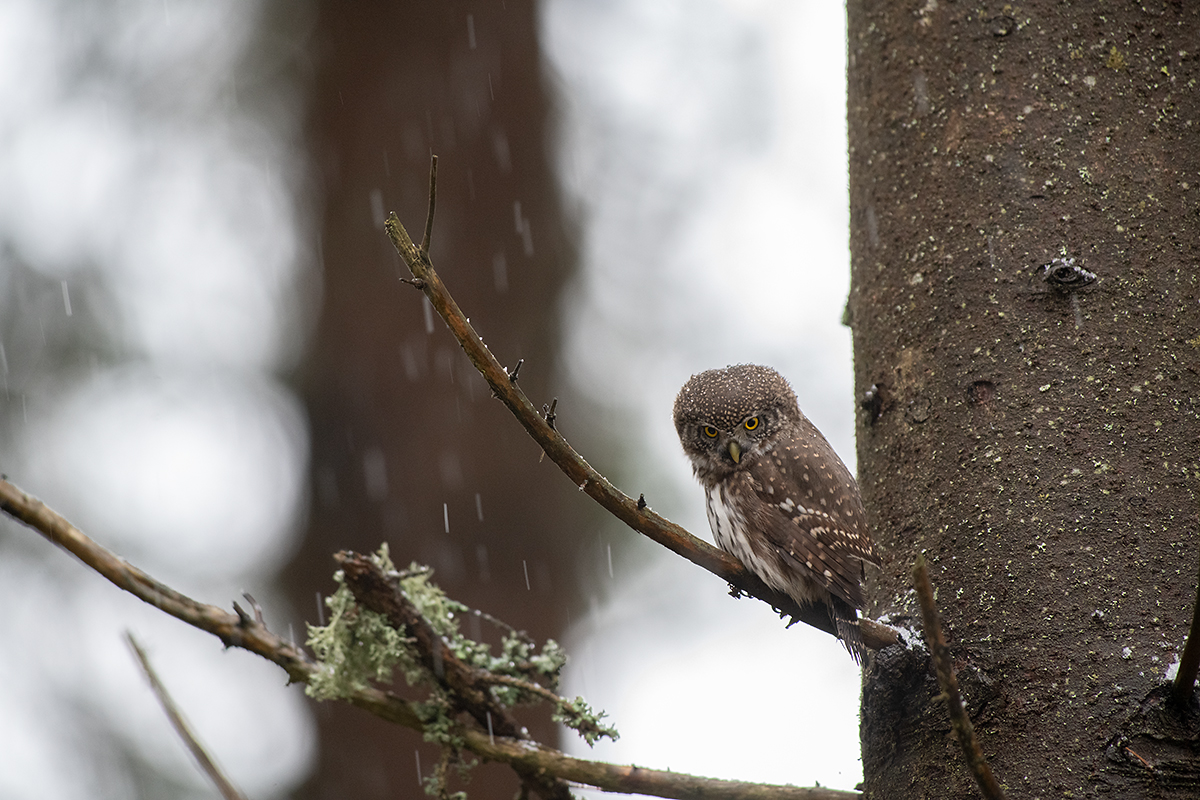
{"x": 437, "y": 718}
{"x": 359, "y": 647}
{"x": 356, "y": 647}
{"x": 436, "y": 784}
{"x": 579, "y": 717}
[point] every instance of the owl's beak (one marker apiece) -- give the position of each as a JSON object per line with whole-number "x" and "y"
{"x": 735, "y": 452}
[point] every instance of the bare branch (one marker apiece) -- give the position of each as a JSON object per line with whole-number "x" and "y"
{"x": 207, "y": 765}
{"x": 1189, "y": 662}
{"x": 631, "y": 779}
{"x": 427, "y": 238}
{"x": 949, "y": 683}
{"x": 232, "y": 631}
{"x": 634, "y": 514}
{"x": 529, "y": 759}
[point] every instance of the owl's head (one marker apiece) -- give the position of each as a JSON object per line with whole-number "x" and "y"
{"x": 727, "y": 417}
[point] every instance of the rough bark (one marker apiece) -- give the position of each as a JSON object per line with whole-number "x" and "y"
{"x": 1034, "y": 432}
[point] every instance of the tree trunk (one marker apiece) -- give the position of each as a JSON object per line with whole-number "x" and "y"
{"x": 1033, "y": 431}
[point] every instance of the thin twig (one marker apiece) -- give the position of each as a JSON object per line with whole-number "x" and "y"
{"x": 428, "y": 237}
{"x": 504, "y": 626}
{"x": 207, "y": 765}
{"x": 527, "y": 758}
{"x": 515, "y": 371}
{"x": 524, "y": 685}
{"x": 949, "y": 683}
{"x": 581, "y": 474}
{"x": 591, "y": 727}
{"x": 1145, "y": 763}
{"x": 258, "y": 615}
{"x": 1189, "y": 662}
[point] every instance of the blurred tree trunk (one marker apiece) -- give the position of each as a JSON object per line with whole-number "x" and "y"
{"x": 406, "y": 438}
{"x": 1035, "y": 434}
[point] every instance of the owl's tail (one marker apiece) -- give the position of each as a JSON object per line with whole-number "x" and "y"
{"x": 845, "y": 619}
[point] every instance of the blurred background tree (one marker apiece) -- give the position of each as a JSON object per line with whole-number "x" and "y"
{"x": 407, "y": 444}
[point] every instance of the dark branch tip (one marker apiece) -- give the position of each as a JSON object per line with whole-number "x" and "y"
{"x": 258, "y": 613}
{"x": 512, "y": 374}
{"x": 425, "y": 240}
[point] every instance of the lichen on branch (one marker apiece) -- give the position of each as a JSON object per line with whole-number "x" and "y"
{"x": 384, "y": 620}
{"x": 355, "y": 648}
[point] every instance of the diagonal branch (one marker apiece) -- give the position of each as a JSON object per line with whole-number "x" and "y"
{"x": 949, "y": 683}
{"x": 634, "y": 514}
{"x": 531, "y": 760}
{"x": 233, "y": 630}
{"x": 207, "y": 765}
{"x": 1189, "y": 662}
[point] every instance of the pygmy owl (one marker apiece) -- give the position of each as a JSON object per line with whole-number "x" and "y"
{"x": 779, "y": 499}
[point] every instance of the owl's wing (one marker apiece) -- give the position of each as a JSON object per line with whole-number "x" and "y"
{"x": 810, "y": 512}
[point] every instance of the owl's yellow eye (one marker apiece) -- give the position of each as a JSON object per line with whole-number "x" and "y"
{"x": 751, "y": 423}
{"x": 709, "y": 431}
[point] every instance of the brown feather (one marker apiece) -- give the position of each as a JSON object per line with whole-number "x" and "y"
{"x": 778, "y": 496}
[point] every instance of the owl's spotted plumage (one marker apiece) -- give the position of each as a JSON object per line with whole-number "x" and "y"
{"x": 779, "y": 499}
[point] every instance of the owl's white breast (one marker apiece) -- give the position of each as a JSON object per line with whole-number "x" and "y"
{"x": 733, "y": 535}
{"x": 728, "y": 524}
